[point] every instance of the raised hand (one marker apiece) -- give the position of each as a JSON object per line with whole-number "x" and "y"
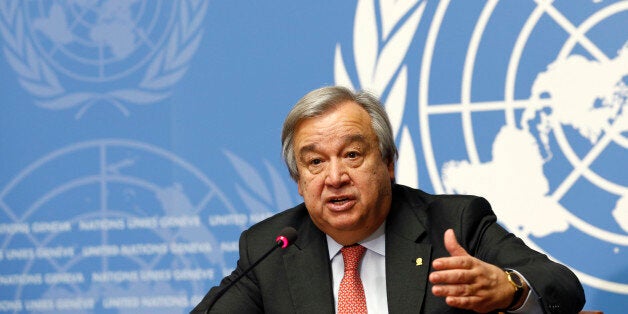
{"x": 469, "y": 283}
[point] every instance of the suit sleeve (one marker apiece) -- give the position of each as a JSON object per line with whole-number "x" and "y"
{"x": 558, "y": 288}
{"x": 242, "y": 297}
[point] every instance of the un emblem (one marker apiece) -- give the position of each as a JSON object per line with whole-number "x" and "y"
{"x": 112, "y": 234}
{"x": 536, "y": 122}
{"x": 80, "y": 54}
{"x": 550, "y": 153}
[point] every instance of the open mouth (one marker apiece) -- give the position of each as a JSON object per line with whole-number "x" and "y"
{"x": 340, "y": 203}
{"x": 339, "y": 200}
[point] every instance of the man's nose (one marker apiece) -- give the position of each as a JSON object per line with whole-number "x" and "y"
{"x": 336, "y": 174}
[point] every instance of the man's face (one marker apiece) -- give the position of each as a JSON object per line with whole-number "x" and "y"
{"x": 345, "y": 183}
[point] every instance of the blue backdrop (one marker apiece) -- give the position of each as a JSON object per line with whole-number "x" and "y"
{"x": 139, "y": 138}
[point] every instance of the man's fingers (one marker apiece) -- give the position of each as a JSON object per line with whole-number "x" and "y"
{"x": 452, "y": 245}
{"x": 459, "y": 259}
{"x": 458, "y": 262}
{"x": 451, "y": 277}
{"x": 468, "y": 303}
{"x": 468, "y": 297}
{"x": 453, "y": 290}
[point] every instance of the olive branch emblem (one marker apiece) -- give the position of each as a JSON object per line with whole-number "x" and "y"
{"x": 255, "y": 193}
{"x": 37, "y": 77}
{"x": 379, "y": 66}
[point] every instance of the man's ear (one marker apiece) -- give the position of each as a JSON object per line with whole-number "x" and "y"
{"x": 299, "y": 188}
{"x": 391, "y": 170}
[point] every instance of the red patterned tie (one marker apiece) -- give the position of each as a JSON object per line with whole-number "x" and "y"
{"x": 351, "y": 299}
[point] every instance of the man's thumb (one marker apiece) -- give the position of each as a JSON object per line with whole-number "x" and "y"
{"x": 452, "y": 245}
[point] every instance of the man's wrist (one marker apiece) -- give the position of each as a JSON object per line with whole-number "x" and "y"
{"x": 520, "y": 290}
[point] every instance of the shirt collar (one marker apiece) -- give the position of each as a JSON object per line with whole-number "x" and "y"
{"x": 376, "y": 242}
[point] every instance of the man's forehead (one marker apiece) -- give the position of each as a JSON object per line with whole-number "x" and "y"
{"x": 355, "y": 109}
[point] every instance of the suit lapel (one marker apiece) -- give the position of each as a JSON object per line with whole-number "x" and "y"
{"x": 406, "y": 276}
{"x": 308, "y": 271}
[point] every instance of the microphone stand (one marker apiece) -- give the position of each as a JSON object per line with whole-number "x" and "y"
{"x": 283, "y": 241}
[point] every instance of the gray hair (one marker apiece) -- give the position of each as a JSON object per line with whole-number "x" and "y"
{"x": 319, "y": 101}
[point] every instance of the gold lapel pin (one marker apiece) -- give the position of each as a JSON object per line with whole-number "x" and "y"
{"x": 419, "y": 261}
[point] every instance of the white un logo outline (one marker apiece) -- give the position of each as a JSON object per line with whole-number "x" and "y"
{"x": 509, "y": 105}
{"x": 163, "y": 61}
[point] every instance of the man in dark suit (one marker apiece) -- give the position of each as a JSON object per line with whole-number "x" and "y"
{"x": 423, "y": 253}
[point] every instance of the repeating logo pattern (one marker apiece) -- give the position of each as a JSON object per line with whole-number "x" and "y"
{"x": 112, "y": 234}
{"x": 519, "y": 101}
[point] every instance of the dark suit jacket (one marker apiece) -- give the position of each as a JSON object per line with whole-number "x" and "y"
{"x": 298, "y": 278}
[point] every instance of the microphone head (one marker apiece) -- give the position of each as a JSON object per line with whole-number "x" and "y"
{"x": 286, "y": 237}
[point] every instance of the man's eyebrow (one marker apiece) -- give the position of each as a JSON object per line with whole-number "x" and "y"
{"x": 355, "y": 138}
{"x": 307, "y": 149}
{"x": 352, "y": 138}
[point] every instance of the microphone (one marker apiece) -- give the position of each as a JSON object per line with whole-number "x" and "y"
{"x": 286, "y": 237}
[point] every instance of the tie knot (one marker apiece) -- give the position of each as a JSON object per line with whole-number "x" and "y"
{"x": 352, "y": 256}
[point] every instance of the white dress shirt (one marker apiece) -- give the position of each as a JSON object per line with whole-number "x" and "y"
{"x": 373, "y": 274}
{"x": 372, "y": 270}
